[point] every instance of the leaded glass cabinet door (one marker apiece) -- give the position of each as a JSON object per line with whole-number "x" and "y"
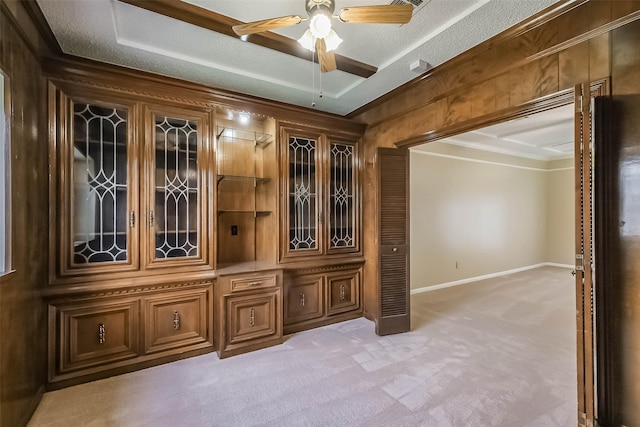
{"x": 303, "y": 202}
{"x": 99, "y": 221}
{"x": 343, "y": 198}
{"x": 176, "y": 214}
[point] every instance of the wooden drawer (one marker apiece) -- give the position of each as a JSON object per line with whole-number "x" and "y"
{"x": 303, "y": 299}
{"x": 96, "y": 333}
{"x": 252, "y": 317}
{"x": 176, "y": 320}
{"x": 343, "y": 292}
{"x": 254, "y": 281}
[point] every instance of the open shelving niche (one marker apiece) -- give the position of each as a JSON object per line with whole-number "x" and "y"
{"x": 246, "y": 197}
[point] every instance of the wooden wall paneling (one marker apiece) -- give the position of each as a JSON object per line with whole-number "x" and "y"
{"x": 600, "y": 57}
{"x": 533, "y": 80}
{"x": 22, "y": 313}
{"x": 502, "y": 85}
{"x": 573, "y": 23}
{"x": 573, "y": 65}
{"x": 624, "y": 8}
{"x": 240, "y": 247}
{"x": 424, "y": 119}
{"x": 600, "y": 13}
{"x": 482, "y": 98}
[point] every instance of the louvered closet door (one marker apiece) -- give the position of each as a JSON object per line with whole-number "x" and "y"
{"x": 393, "y": 187}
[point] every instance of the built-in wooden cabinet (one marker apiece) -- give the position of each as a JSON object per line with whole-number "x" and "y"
{"x": 250, "y": 310}
{"x": 315, "y": 297}
{"x": 131, "y": 231}
{"x": 173, "y": 220}
{"x": 319, "y": 226}
{"x": 106, "y": 218}
{"x": 320, "y": 203}
{"x": 246, "y": 187}
{"x": 102, "y": 331}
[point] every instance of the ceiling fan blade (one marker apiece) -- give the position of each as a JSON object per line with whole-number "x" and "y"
{"x": 266, "y": 25}
{"x": 326, "y": 59}
{"x": 389, "y": 14}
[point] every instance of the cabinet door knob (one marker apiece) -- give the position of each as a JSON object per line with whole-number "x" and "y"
{"x": 101, "y": 334}
{"x": 252, "y": 317}
{"x": 395, "y": 249}
{"x": 176, "y": 320}
{"x": 301, "y": 299}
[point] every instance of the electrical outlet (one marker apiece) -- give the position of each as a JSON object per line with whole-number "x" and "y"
{"x": 234, "y": 230}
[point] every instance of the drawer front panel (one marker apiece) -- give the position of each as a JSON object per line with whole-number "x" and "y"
{"x": 251, "y": 317}
{"x": 303, "y": 299}
{"x": 176, "y": 320}
{"x": 343, "y": 292}
{"x": 97, "y": 333}
{"x": 253, "y": 282}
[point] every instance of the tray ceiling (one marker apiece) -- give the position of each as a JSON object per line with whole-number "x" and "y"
{"x": 124, "y": 34}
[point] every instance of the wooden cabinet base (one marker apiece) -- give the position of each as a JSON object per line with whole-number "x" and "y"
{"x": 321, "y": 296}
{"x": 249, "y": 311}
{"x": 95, "y": 336}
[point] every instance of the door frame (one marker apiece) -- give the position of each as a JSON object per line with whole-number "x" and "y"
{"x": 585, "y": 325}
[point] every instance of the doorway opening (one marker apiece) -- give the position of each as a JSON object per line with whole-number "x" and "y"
{"x": 492, "y": 225}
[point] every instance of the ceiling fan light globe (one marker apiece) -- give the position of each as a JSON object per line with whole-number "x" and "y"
{"x": 307, "y": 41}
{"x": 320, "y": 25}
{"x": 332, "y": 41}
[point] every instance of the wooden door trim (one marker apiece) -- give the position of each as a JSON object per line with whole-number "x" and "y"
{"x": 601, "y": 87}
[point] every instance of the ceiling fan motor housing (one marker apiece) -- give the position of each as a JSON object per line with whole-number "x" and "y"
{"x": 328, "y": 6}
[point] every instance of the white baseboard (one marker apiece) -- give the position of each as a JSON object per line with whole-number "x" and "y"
{"x": 487, "y": 276}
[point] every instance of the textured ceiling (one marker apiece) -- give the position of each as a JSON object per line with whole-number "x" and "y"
{"x": 122, "y": 34}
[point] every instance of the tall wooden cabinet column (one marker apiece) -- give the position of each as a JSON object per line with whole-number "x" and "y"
{"x": 131, "y": 277}
{"x": 319, "y": 226}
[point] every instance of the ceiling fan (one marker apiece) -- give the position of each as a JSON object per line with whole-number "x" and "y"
{"x": 319, "y": 35}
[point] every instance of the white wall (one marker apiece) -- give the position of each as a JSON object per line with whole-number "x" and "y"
{"x": 470, "y": 218}
{"x": 560, "y": 216}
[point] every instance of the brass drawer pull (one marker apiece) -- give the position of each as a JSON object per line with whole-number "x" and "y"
{"x": 176, "y": 320}
{"x": 301, "y": 299}
{"x": 252, "y": 317}
{"x": 342, "y": 292}
{"x": 101, "y": 334}
{"x": 254, "y": 283}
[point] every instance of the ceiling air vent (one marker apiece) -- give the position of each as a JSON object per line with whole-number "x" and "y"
{"x": 417, "y": 4}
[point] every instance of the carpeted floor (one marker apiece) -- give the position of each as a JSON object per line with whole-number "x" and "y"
{"x": 500, "y": 352}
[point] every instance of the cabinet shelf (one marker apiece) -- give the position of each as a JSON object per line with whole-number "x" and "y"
{"x": 255, "y": 213}
{"x": 258, "y": 180}
{"x": 259, "y": 139}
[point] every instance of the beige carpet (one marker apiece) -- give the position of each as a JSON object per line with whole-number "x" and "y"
{"x": 500, "y": 352}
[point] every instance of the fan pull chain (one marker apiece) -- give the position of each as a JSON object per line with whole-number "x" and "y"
{"x": 313, "y": 78}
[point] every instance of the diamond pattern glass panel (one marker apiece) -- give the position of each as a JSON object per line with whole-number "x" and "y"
{"x": 302, "y": 194}
{"x": 99, "y": 204}
{"x": 176, "y": 191}
{"x": 342, "y": 193}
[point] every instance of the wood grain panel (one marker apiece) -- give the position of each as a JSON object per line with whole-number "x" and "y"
{"x": 624, "y": 57}
{"x": 423, "y": 119}
{"x": 600, "y": 12}
{"x": 599, "y": 57}
{"x": 482, "y": 98}
{"x": 502, "y": 91}
{"x": 533, "y": 80}
{"x": 534, "y": 41}
{"x": 574, "y": 23}
{"x": 622, "y": 8}
{"x": 458, "y": 108}
{"x": 23, "y": 317}
{"x": 574, "y": 65}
